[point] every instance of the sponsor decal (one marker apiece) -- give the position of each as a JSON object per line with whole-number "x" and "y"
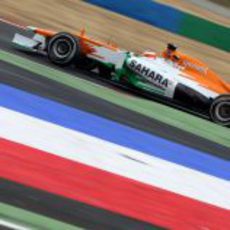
{"x": 152, "y": 76}
{"x": 196, "y": 67}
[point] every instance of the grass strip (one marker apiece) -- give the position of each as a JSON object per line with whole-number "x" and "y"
{"x": 31, "y": 220}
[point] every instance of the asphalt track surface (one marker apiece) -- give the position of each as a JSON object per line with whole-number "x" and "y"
{"x": 65, "y": 210}
{"x": 60, "y": 208}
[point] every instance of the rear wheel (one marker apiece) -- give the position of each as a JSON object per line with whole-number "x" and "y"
{"x": 63, "y": 49}
{"x": 220, "y": 110}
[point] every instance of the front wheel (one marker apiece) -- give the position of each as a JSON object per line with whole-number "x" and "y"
{"x": 220, "y": 110}
{"x": 63, "y": 49}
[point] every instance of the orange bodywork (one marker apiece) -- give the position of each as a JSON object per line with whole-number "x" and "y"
{"x": 86, "y": 42}
{"x": 46, "y": 33}
{"x": 199, "y": 72}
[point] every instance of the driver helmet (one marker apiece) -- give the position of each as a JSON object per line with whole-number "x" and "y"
{"x": 171, "y": 47}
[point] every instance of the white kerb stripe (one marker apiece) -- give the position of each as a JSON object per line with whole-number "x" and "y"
{"x": 11, "y": 225}
{"x": 111, "y": 157}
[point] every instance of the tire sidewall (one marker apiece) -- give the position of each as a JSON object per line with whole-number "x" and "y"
{"x": 73, "y": 55}
{"x": 214, "y": 114}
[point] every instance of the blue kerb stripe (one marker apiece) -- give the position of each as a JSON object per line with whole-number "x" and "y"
{"x": 148, "y": 11}
{"x": 111, "y": 131}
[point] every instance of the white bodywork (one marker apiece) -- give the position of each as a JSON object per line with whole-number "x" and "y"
{"x": 168, "y": 71}
{"x": 29, "y": 43}
{"x": 24, "y": 42}
{"x": 102, "y": 54}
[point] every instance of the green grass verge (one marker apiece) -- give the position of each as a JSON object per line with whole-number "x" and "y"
{"x": 31, "y": 220}
{"x": 148, "y": 108}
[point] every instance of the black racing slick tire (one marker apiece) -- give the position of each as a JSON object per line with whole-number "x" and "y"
{"x": 220, "y": 110}
{"x": 63, "y": 49}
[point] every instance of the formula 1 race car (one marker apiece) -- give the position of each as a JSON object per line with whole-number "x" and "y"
{"x": 187, "y": 81}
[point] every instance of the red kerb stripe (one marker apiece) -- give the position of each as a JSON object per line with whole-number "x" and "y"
{"x": 102, "y": 189}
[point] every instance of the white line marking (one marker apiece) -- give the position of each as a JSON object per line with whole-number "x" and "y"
{"x": 12, "y": 23}
{"x": 12, "y": 225}
{"x": 111, "y": 157}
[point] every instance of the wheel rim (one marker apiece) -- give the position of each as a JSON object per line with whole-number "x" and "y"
{"x": 223, "y": 111}
{"x": 62, "y": 48}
